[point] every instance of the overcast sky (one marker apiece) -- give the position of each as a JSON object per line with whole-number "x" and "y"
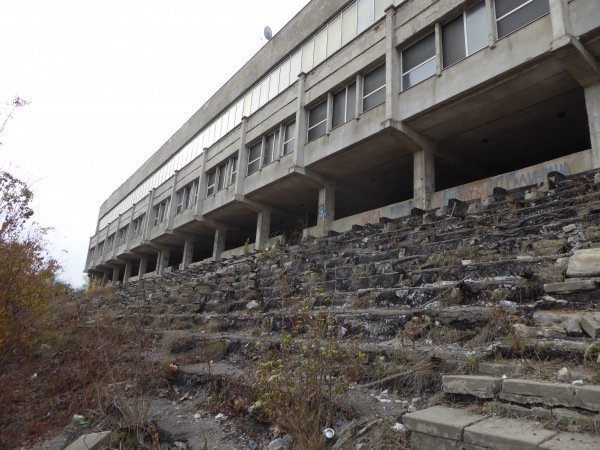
{"x": 109, "y": 82}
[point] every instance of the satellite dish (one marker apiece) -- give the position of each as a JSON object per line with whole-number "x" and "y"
{"x": 268, "y": 33}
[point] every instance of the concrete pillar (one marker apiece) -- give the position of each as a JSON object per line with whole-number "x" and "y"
{"x": 173, "y": 201}
{"x": 491, "y": 22}
{"x": 143, "y": 266}
{"x": 423, "y": 178}
{"x": 130, "y": 229}
{"x": 326, "y": 212}
{"x": 105, "y": 278}
{"x": 127, "y": 273}
{"x": 301, "y": 122}
{"x": 188, "y": 253}
{"x": 116, "y": 239}
{"x": 263, "y": 228}
{"x": 438, "y": 49}
{"x": 559, "y": 17}
{"x": 149, "y": 218}
{"x": 202, "y": 185}
{"x": 242, "y": 159}
{"x": 392, "y": 66}
{"x": 219, "y": 243}
{"x": 115, "y": 277}
{"x": 592, "y": 104}
{"x": 163, "y": 260}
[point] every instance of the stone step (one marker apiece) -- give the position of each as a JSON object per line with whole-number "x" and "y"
{"x": 452, "y": 428}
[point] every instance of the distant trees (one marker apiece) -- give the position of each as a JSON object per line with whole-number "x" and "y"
{"x": 27, "y": 272}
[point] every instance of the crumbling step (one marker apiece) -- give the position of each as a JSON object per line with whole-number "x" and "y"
{"x": 440, "y": 427}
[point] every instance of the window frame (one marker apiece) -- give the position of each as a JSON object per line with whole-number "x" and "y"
{"x": 375, "y": 91}
{"x": 431, "y": 58}
{"x": 210, "y": 184}
{"x": 258, "y": 159}
{"x": 221, "y": 176}
{"x": 347, "y": 117}
{"x": 284, "y": 143}
{"x": 465, "y": 35}
{"x": 323, "y": 122}
{"x": 507, "y": 14}
{"x": 270, "y": 153}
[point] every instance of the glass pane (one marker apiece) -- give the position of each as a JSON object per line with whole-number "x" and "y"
{"x": 317, "y": 114}
{"x": 505, "y": 6}
{"x": 255, "y": 99}
{"x": 290, "y": 131}
{"x": 295, "y": 66}
{"x": 380, "y": 6}
{"x": 253, "y": 167}
{"x": 239, "y": 111}
{"x": 264, "y": 92}
{"x": 247, "y": 104}
{"x": 334, "y": 36}
{"x": 284, "y": 75}
{"x": 219, "y": 124}
{"x": 477, "y": 33}
{"x": 349, "y": 25}
{"x": 417, "y": 75}
{"x": 274, "y": 84}
{"x": 418, "y": 53}
{"x": 339, "y": 108}
{"x": 317, "y": 131}
{"x": 307, "y": 56}
{"x": 365, "y": 15}
{"x": 522, "y": 17}
{"x": 453, "y": 41}
{"x": 232, "y": 113}
{"x": 254, "y": 152}
{"x": 351, "y": 102}
{"x": 269, "y": 148}
{"x": 374, "y": 80}
{"x": 320, "y": 47}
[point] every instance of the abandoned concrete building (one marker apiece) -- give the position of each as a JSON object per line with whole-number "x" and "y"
{"x": 358, "y": 110}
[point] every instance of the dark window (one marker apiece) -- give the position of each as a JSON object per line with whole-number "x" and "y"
{"x": 289, "y": 134}
{"x": 317, "y": 121}
{"x": 270, "y": 145}
{"x": 418, "y": 62}
{"x": 344, "y": 105}
{"x": 233, "y": 170}
{"x": 374, "y": 88}
{"x": 514, "y": 14}
{"x": 254, "y": 158}
{"x": 221, "y": 176}
{"x": 210, "y": 184}
{"x": 465, "y": 35}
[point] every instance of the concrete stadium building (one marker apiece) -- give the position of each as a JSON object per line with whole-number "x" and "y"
{"x": 358, "y": 110}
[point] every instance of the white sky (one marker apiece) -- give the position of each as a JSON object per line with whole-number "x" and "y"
{"x": 109, "y": 82}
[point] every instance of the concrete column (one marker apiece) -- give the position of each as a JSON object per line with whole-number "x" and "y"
{"x": 242, "y": 159}
{"x": 116, "y": 239}
{"x": 558, "y": 16}
{"x": 392, "y": 66}
{"x": 219, "y": 243}
{"x": 438, "y": 49}
{"x": 326, "y": 212}
{"x": 301, "y": 122}
{"x": 359, "y": 93}
{"x": 491, "y": 23}
{"x": 592, "y": 104}
{"x": 163, "y": 260}
{"x": 105, "y": 278}
{"x": 143, "y": 266}
{"x": 115, "y": 277}
{"x": 149, "y": 218}
{"x": 127, "y": 273}
{"x": 130, "y": 229}
{"x": 188, "y": 253}
{"x": 263, "y": 228}
{"x": 202, "y": 185}
{"x": 423, "y": 178}
{"x": 173, "y": 206}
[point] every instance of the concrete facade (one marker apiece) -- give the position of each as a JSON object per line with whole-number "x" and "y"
{"x": 395, "y": 105}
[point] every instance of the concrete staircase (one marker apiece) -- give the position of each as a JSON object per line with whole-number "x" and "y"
{"x": 498, "y": 281}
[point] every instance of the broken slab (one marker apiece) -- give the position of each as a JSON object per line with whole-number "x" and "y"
{"x": 572, "y": 441}
{"x": 590, "y": 323}
{"x": 91, "y": 441}
{"x": 569, "y": 287}
{"x": 588, "y": 397}
{"x": 507, "y": 434}
{"x": 532, "y": 392}
{"x": 440, "y": 421}
{"x": 584, "y": 263}
{"x": 477, "y": 385}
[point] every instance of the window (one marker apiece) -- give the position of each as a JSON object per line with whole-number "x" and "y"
{"x": 138, "y": 226}
{"x": 317, "y": 121}
{"x": 221, "y": 176}
{"x": 123, "y": 234}
{"x": 233, "y": 169}
{"x": 289, "y": 134}
{"x": 210, "y": 184}
{"x": 418, "y": 62}
{"x": 374, "y": 88}
{"x": 464, "y": 35}
{"x": 101, "y": 248}
{"x": 179, "y": 201}
{"x": 191, "y": 194}
{"x": 344, "y": 105}
{"x": 270, "y": 145}
{"x": 161, "y": 211}
{"x": 514, "y": 14}
{"x": 254, "y": 157}
{"x": 110, "y": 242}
